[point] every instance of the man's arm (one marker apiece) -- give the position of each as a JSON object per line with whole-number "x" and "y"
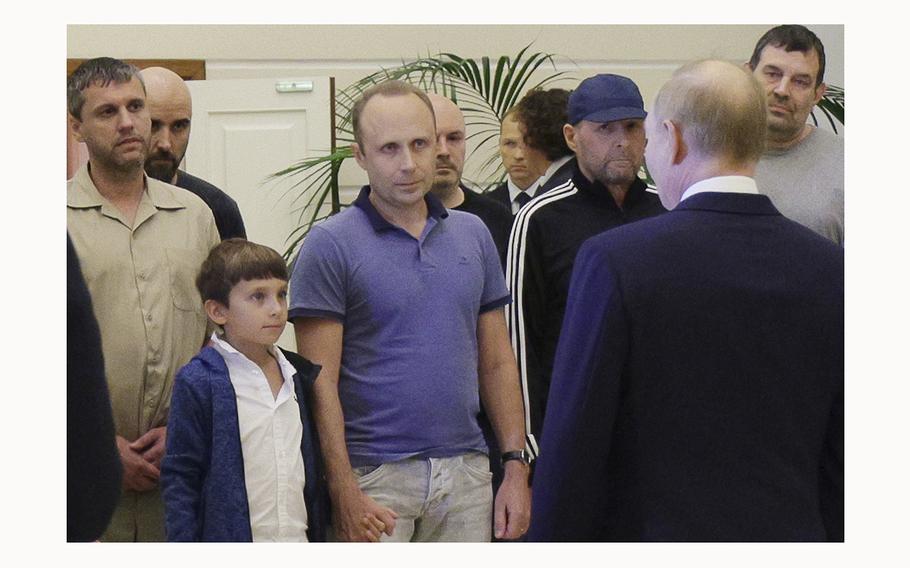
{"x": 525, "y": 315}
{"x": 570, "y": 479}
{"x": 499, "y": 391}
{"x": 356, "y": 517}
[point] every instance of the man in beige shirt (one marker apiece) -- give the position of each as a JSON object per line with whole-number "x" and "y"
{"x": 141, "y": 243}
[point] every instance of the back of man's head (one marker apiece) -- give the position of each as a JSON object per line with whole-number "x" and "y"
{"x": 791, "y": 37}
{"x": 100, "y": 71}
{"x": 720, "y": 109}
{"x": 543, "y": 113}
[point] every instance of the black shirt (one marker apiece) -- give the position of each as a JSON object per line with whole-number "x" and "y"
{"x": 224, "y": 209}
{"x": 544, "y": 242}
{"x": 494, "y": 215}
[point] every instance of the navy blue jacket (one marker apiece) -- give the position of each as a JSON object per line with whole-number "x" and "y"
{"x": 202, "y": 479}
{"x": 697, "y": 393}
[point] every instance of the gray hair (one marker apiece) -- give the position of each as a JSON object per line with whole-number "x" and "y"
{"x": 720, "y": 106}
{"x": 100, "y": 71}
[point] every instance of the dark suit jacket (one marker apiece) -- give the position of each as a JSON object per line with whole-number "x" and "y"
{"x": 501, "y": 194}
{"x": 697, "y": 393}
{"x": 93, "y": 468}
{"x": 224, "y": 208}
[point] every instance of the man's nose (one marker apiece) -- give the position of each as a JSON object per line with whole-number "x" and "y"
{"x": 162, "y": 140}
{"x": 126, "y": 120}
{"x": 782, "y": 89}
{"x": 442, "y": 148}
{"x": 407, "y": 160}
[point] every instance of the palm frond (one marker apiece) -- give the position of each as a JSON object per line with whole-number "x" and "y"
{"x": 483, "y": 88}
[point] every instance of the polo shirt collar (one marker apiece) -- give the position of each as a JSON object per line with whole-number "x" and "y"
{"x": 435, "y": 209}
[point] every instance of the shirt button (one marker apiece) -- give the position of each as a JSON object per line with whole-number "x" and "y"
{"x": 148, "y": 317}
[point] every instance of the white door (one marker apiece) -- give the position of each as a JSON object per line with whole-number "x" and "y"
{"x": 246, "y": 129}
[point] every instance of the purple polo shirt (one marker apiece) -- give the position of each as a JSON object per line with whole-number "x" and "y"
{"x": 408, "y": 383}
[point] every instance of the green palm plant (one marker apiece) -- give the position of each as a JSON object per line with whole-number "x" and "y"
{"x": 831, "y": 107}
{"x": 484, "y": 90}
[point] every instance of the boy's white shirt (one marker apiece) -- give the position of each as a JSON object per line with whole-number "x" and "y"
{"x": 270, "y": 436}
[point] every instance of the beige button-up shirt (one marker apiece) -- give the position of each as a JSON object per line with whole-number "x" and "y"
{"x": 142, "y": 283}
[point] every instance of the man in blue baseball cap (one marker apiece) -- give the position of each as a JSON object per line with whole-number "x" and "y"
{"x": 605, "y": 129}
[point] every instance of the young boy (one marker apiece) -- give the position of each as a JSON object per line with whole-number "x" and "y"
{"x": 242, "y": 460}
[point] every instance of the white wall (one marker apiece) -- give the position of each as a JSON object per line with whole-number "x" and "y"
{"x": 646, "y": 53}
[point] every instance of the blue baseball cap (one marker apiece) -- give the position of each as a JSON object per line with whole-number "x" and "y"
{"x": 605, "y": 98}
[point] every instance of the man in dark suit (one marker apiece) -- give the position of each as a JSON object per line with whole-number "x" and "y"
{"x": 697, "y": 393}
{"x": 524, "y": 165}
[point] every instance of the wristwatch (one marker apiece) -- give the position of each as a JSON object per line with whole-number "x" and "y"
{"x": 521, "y": 455}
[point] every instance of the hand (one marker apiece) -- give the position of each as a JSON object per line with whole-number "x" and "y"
{"x": 358, "y": 518}
{"x": 138, "y": 474}
{"x": 512, "y": 509}
{"x": 151, "y": 445}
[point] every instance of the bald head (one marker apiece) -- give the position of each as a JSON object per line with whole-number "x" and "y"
{"x": 708, "y": 120}
{"x": 720, "y": 109}
{"x": 171, "y": 110}
{"x": 450, "y": 145}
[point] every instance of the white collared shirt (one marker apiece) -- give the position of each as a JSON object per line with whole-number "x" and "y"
{"x": 270, "y": 436}
{"x": 722, "y": 184}
{"x": 552, "y": 170}
{"x": 514, "y": 191}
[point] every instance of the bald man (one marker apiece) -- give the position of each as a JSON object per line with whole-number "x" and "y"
{"x": 171, "y": 109}
{"x": 697, "y": 393}
{"x": 447, "y": 186}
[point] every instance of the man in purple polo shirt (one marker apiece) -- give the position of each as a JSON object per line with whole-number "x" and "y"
{"x": 401, "y": 301}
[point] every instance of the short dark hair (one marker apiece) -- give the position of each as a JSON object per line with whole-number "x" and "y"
{"x": 100, "y": 71}
{"x": 543, "y": 113}
{"x": 791, "y": 37}
{"x": 390, "y": 88}
{"x": 233, "y": 260}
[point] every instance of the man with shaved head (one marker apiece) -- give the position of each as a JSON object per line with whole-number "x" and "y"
{"x": 171, "y": 109}
{"x": 447, "y": 186}
{"x": 697, "y": 393}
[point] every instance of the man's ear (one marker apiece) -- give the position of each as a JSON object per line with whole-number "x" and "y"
{"x": 75, "y": 125}
{"x": 678, "y": 148}
{"x": 820, "y": 92}
{"x": 358, "y": 154}
{"x": 748, "y": 67}
{"x": 568, "y": 132}
{"x": 216, "y": 311}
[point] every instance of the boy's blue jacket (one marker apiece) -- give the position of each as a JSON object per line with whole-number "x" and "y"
{"x": 202, "y": 480}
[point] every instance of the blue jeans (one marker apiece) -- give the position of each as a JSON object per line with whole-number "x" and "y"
{"x": 437, "y": 499}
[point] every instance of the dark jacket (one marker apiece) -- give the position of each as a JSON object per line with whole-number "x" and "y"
{"x": 202, "y": 479}
{"x": 697, "y": 393}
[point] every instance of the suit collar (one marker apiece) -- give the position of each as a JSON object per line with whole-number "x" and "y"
{"x": 743, "y": 203}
